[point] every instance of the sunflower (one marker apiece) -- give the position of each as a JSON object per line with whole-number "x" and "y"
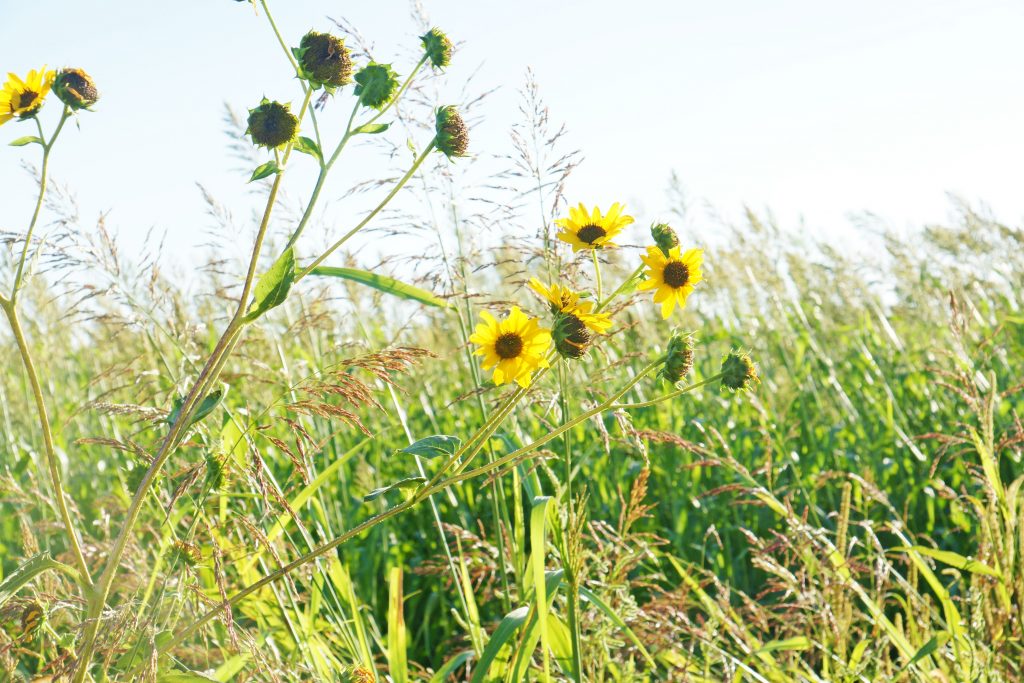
{"x": 672, "y": 277}
{"x": 565, "y": 300}
{"x": 591, "y": 230}
{"x": 514, "y": 347}
{"x": 24, "y": 98}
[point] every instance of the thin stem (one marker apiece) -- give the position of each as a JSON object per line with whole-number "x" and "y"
{"x": 597, "y": 273}
{"x": 280, "y": 40}
{"x": 669, "y": 396}
{"x": 621, "y": 288}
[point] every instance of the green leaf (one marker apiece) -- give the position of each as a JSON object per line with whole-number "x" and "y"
{"x": 206, "y": 406}
{"x": 404, "y": 484}
{"x": 787, "y": 645}
{"x": 450, "y": 666}
{"x": 502, "y": 636}
{"x": 264, "y": 170}
{"x": 371, "y": 128}
{"x": 28, "y": 570}
{"x": 434, "y": 446}
{"x": 308, "y": 146}
{"x": 386, "y": 284}
{"x": 273, "y": 286}
{"x": 182, "y": 677}
{"x": 954, "y": 560}
{"x": 26, "y": 140}
{"x": 593, "y": 598}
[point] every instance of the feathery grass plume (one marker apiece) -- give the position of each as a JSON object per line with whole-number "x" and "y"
{"x": 738, "y": 371}
{"x": 437, "y": 47}
{"x": 678, "y": 358}
{"x": 75, "y": 88}
{"x": 23, "y": 98}
{"x": 376, "y": 85}
{"x": 451, "y": 134}
{"x": 592, "y": 229}
{"x": 324, "y": 61}
{"x": 672, "y": 276}
{"x": 272, "y": 124}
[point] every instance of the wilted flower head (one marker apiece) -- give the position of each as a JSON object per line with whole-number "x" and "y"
{"x": 324, "y": 61}
{"x": 572, "y": 338}
{"x": 272, "y": 124}
{"x": 376, "y": 84}
{"x": 665, "y": 237}
{"x": 678, "y": 358}
{"x": 452, "y": 136}
{"x": 738, "y": 371}
{"x": 437, "y": 47}
{"x": 75, "y": 88}
{"x": 23, "y": 98}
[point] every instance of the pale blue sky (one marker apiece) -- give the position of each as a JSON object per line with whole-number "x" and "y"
{"x": 813, "y": 109}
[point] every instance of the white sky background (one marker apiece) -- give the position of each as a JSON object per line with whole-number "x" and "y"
{"x": 813, "y": 109}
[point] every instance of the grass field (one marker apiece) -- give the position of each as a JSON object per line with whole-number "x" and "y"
{"x": 856, "y": 516}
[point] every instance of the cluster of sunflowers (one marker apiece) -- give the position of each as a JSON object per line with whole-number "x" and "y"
{"x": 22, "y": 98}
{"x": 518, "y": 345}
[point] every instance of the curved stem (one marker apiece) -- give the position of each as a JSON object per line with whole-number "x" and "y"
{"x": 669, "y": 396}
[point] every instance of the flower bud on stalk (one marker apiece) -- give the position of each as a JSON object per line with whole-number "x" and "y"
{"x": 437, "y": 47}
{"x": 452, "y": 135}
{"x": 738, "y": 371}
{"x": 665, "y": 237}
{"x": 572, "y": 339}
{"x": 272, "y": 124}
{"x": 324, "y": 61}
{"x": 376, "y": 84}
{"x": 678, "y": 358}
{"x": 75, "y": 88}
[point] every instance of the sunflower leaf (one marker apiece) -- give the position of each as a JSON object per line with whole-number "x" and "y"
{"x": 388, "y": 285}
{"x": 433, "y": 446}
{"x": 265, "y": 170}
{"x": 273, "y": 286}
{"x": 371, "y": 128}
{"x": 404, "y": 484}
{"x": 206, "y": 406}
{"x": 308, "y": 146}
{"x": 26, "y": 140}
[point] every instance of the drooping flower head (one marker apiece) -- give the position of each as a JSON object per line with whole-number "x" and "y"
{"x": 591, "y": 229}
{"x": 272, "y": 124}
{"x": 738, "y": 371}
{"x": 437, "y": 47}
{"x": 514, "y": 347}
{"x": 324, "y": 61}
{"x": 451, "y": 134}
{"x": 75, "y": 88}
{"x": 672, "y": 276}
{"x": 565, "y": 300}
{"x": 376, "y": 84}
{"x": 678, "y": 358}
{"x": 23, "y": 98}
{"x": 571, "y": 336}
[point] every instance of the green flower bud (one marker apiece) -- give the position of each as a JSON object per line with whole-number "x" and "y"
{"x": 272, "y": 124}
{"x": 376, "y": 84}
{"x": 452, "y": 136}
{"x": 75, "y": 88}
{"x": 678, "y": 358}
{"x": 571, "y": 336}
{"x": 437, "y": 48}
{"x": 324, "y": 61}
{"x": 184, "y": 552}
{"x": 665, "y": 237}
{"x": 738, "y": 371}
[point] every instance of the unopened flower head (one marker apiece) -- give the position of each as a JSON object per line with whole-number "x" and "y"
{"x": 738, "y": 371}
{"x": 324, "y": 61}
{"x": 678, "y": 358}
{"x": 376, "y": 84}
{"x": 75, "y": 88}
{"x": 22, "y": 98}
{"x": 665, "y": 237}
{"x": 184, "y": 552}
{"x": 571, "y": 336}
{"x": 272, "y": 124}
{"x": 562, "y": 299}
{"x": 514, "y": 347}
{"x": 672, "y": 276}
{"x": 451, "y": 134}
{"x": 437, "y": 47}
{"x": 592, "y": 229}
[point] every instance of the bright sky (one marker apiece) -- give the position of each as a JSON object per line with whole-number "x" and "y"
{"x": 813, "y": 109}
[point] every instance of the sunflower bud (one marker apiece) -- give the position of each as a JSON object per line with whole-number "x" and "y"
{"x": 75, "y": 88}
{"x": 324, "y": 61}
{"x": 738, "y": 371}
{"x": 437, "y": 47}
{"x": 572, "y": 339}
{"x": 376, "y": 84}
{"x": 665, "y": 237}
{"x": 452, "y": 135}
{"x": 678, "y": 358}
{"x": 185, "y": 553}
{"x": 272, "y": 124}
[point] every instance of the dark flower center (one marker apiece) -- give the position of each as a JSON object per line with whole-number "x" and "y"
{"x": 509, "y": 345}
{"x": 589, "y": 233}
{"x": 26, "y": 99}
{"x": 676, "y": 274}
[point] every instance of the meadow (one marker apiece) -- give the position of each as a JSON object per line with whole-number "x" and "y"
{"x": 292, "y": 478}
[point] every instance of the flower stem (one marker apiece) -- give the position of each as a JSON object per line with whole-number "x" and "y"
{"x": 597, "y": 273}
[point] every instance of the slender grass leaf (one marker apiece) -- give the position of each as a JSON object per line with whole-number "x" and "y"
{"x": 450, "y": 666}
{"x": 407, "y": 483}
{"x": 398, "y": 667}
{"x": 388, "y": 285}
{"x": 501, "y": 637}
{"x": 954, "y": 560}
{"x": 592, "y": 597}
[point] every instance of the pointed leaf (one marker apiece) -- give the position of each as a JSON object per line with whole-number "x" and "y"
{"x": 434, "y": 446}
{"x": 26, "y": 140}
{"x": 371, "y": 128}
{"x": 386, "y": 284}
{"x": 308, "y": 146}
{"x": 265, "y": 170}
{"x": 28, "y": 570}
{"x": 273, "y": 286}
{"x": 407, "y": 483}
{"x": 206, "y": 406}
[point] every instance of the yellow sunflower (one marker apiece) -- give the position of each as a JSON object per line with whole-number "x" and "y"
{"x": 24, "y": 98}
{"x": 591, "y": 230}
{"x": 672, "y": 277}
{"x": 565, "y": 300}
{"x": 514, "y": 347}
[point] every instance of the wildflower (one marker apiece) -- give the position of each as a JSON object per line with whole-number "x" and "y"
{"x": 272, "y": 124}
{"x": 514, "y": 347}
{"x": 571, "y": 336}
{"x": 665, "y": 237}
{"x": 672, "y": 276}
{"x": 376, "y": 84}
{"x": 565, "y": 300}
{"x": 31, "y": 618}
{"x": 437, "y": 47}
{"x": 184, "y": 552}
{"x": 738, "y": 371}
{"x": 678, "y": 358}
{"x": 592, "y": 230}
{"x": 324, "y": 61}
{"x": 24, "y": 98}
{"x": 451, "y": 135}
{"x": 75, "y": 88}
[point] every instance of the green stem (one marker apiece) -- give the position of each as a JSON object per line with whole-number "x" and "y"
{"x": 669, "y": 396}
{"x": 597, "y": 272}
{"x": 621, "y": 288}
